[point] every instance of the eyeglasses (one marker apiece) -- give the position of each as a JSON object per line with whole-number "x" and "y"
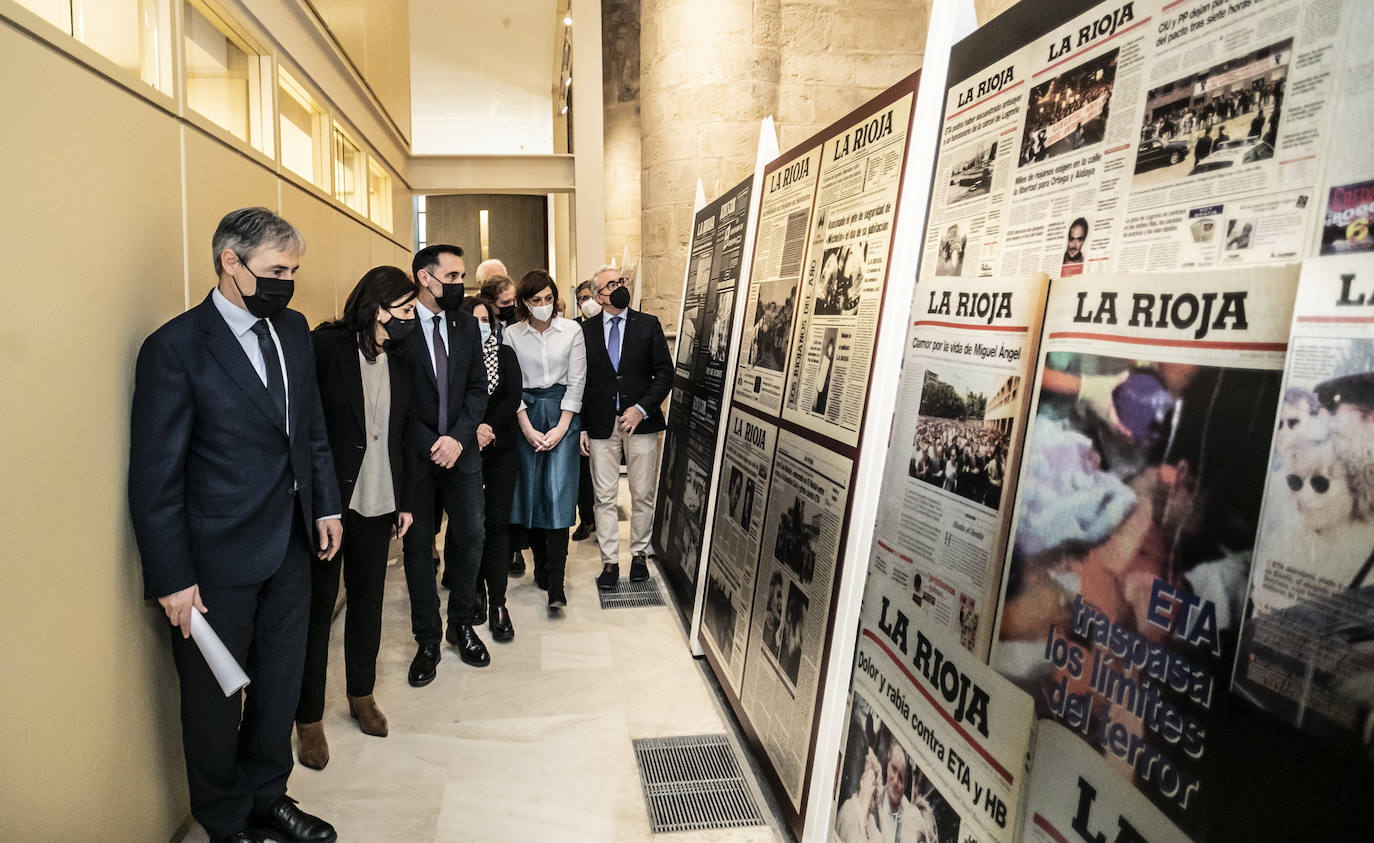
{"x": 613, "y": 284}
{"x": 1320, "y": 483}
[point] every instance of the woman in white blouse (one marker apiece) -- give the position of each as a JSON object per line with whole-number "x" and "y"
{"x": 553, "y": 364}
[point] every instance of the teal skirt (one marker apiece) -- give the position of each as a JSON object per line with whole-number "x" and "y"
{"x": 546, "y": 485}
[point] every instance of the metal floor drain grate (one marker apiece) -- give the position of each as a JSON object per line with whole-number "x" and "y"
{"x": 631, "y": 595}
{"x": 694, "y": 782}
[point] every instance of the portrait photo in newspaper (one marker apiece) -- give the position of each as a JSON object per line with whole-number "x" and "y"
{"x": 842, "y": 276}
{"x": 1220, "y": 119}
{"x": 1069, "y": 111}
{"x": 963, "y": 431}
{"x": 953, "y": 244}
{"x": 883, "y": 793}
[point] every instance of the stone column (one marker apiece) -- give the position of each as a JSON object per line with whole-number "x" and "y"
{"x": 709, "y": 74}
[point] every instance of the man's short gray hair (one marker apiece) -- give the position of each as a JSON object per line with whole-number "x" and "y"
{"x": 248, "y": 229}
{"x": 605, "y": 268}
{"x": 489, "y": 267}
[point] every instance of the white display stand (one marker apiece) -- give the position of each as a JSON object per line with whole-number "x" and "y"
{"x": 950, "y": 21}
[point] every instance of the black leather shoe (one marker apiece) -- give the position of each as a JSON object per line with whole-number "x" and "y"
{"x": 480, "y": 616}
{"x": 501, "y": 627}
{"x": 639, "y": 568}
{"x": 557, "y": 599}
{"x": 470, "y": 648}
{"x": 424, "y": 665}
{"x": 584, "y": 530}
{"x": 517, "y": 565}
{"x": 284, "y": 821}
{"x": 609, "y": 576}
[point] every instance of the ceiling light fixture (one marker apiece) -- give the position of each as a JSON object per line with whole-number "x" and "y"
{"x": 567, "y": 20}
{"x": 564, "y": 110}
{"x": 567, "y": 83}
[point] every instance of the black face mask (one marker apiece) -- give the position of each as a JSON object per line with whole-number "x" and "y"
{"x": 451, "y": 297}
{"x": 507, "y": 314}
{"x": 271, "y": 296}
{"x": 399, "y": 329}
{"x": 620, "y": 298}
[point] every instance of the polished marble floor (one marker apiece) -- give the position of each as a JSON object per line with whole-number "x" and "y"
{"x": 535, "y": 747}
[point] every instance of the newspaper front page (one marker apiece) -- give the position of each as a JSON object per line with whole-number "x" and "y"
{"x": 1307, "y": 651}
{"x": 950, "y": 473}
{"x": 802, "y": 528}
{"x": 775, "y": 275}
{"x": 936, "y": 742}
{"x": 1155, "y": 136}
{"x": 736, "y": 535}
{"x": 1136, "y": 513}
{"x": 846, "y": 273}
{"x": 689, "y": 451}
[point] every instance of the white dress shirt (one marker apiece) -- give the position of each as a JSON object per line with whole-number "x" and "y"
{"x": 241, "y": 322}
{"x": 556, "y": 355}
{"x": 426, "y": 327}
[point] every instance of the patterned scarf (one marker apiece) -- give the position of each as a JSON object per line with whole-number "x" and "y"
{"x": 489, "y": 356}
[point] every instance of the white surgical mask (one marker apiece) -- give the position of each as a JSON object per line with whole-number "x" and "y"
{"x": 543, "y": 312}
{"x": 486, "y": 331}
{"x": 590, "y": 308}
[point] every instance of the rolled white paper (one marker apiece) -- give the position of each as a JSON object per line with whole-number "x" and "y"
{"x": 227, "y": 672}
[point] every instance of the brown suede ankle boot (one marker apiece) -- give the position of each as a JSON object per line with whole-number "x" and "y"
{"x": 369, "y": 716}
{"x": 314, "y": 749}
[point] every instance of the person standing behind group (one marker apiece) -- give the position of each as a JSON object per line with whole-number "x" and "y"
{"x": 553, "y": 362}
{"x": 450, "y": 400}
{"x": 587, "y": 307}
{"x": 500, "y": 291}
{"x": 629, "y": 374}
{"x": 230, "y": 487}
{"x": 496, "y": 436}
{"x": 365, "y": 389}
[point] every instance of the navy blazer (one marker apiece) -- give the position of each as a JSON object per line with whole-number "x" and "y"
{"x": 467, "y": 390}
{"x": 211, "y": 468}
{"x": 645, "y": 376}
{"x": 341, "y": 394}
{"x": 504, "y": 402}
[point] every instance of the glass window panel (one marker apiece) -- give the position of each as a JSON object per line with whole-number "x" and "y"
{"x": 302, "y": 143}
{"x": 56, "y": 12}
{"x": 348, "y": 172}
{"x": 379, "y": 196}
{"x": 217, "y": 74}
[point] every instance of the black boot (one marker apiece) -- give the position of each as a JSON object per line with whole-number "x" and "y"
{"x": 501, "y": 627}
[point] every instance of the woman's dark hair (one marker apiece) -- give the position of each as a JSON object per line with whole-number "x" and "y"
{"x": 470, "y": 304}
{"x": 530, "y": 286}
{"x": 381, "y": 286}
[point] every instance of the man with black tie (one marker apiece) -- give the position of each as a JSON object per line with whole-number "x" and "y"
{"x": 231, "y": 487}
{"x": 629, "y": 373}
{"x": 450, "y": 401}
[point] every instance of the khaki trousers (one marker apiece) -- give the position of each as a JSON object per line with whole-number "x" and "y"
{"x": 641, "y": 461}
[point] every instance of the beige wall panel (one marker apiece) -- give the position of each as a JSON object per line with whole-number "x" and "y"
{"x": 387, "y": 253}
{"x": 315, "y": 287}
{"x": 218, "y": 180}
{"x": 353, "y": 250}
{"x": 90, "y": 733}
{"x": 347, "y": 20}
{"x": 397, "y": 98}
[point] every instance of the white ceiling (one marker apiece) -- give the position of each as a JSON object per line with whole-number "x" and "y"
{"x": 482, "y": 76}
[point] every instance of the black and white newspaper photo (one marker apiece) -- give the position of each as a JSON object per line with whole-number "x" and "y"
{"x": 736, "y": 535}
{"x": 772, "y": 295}
{"x": 802, "y": 530}
{"x": 952, "y": 459}
{"x": 841, "y": 295}
{"x": 1307, "y": 649}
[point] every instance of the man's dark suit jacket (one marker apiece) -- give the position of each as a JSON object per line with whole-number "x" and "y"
{"x": 341, "y": 394}
{"x": 504, "y": 402}
{"x": 467, "y": 390}
{"x": 645, "y": 376}
{"x": 211, "y": 468}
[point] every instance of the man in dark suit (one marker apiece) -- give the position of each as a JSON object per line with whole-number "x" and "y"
{"x": 450, "y": 401}
{"x": 231, "y": 487}
{"x": 629, "y": 373}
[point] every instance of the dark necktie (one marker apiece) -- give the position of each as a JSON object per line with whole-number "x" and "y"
{"x": 276, "y": 387}
{"x": 441, "y": 372}
{"x": 613, "y": 344}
